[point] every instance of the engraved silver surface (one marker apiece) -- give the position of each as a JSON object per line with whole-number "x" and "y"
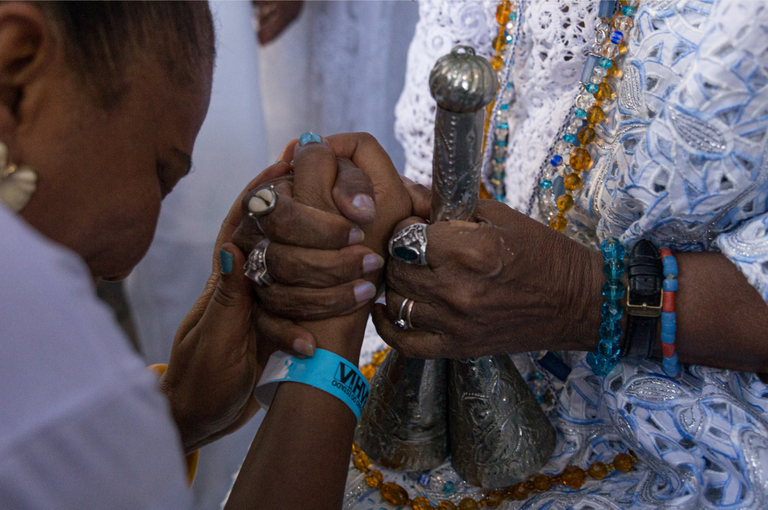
{"x": 410, "y": 244}
{"x": 404, "y": 424}
{"x": 499, "y": 433}
{"x": 256, "y": 265}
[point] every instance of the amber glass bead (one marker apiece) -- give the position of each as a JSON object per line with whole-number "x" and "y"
{"x": 622, "y": 462}
{"x": 558, "y": 223}
{"x": 446, "y": 505}
{"x": 355, "y": 448}
{"x": 542, "y": 483}
{"x": 374, "y": 479}
{"x": 497, "y": 62}
{"x": 368, "y": 371}
{"x": 565, "y": 202}
{"x": 623, "y": 48}
{"x": 502, "y": 13}
{"x": 421, "y": 503}
{"x": 467, "y": 504}
{"x": 603, "y": 92}
{"x": 493, "y": 499}
{"x": 362, "y": 462}
{"x": 597, "y": 470}
{"x": 572, "y": 181}
{"x": 573, "y": 476}
{"x": 586, "y": 135}
{"x": 499, "y": 42}
{"x": 580, "y": 159}
{"x": 393, "y": 494}
{"x": 595, "y": 115}
{"x": 520, "y": 491}
{"x": 614, "y": 72}
{"x": 484, "y": 192}
{"x": 378, "y": 358}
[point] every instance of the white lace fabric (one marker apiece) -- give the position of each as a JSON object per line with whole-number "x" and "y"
{"x": 684, "y": 164}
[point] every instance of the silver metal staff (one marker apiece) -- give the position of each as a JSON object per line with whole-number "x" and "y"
{"x": 498, "y": 432}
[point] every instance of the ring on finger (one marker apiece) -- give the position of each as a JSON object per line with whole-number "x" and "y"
{"x": 262, "y": 202}
{"x": 410, "y": 244}
{"x": 404, "y": 315}
{"x": 256, "y": 265}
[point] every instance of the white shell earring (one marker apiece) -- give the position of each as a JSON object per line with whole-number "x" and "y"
{"x": 17, "y": 184}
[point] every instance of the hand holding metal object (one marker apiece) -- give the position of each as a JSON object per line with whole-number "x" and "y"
{"x": 498, "y": 432}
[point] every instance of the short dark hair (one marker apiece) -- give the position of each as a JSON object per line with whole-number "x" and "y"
{"x": 101, "y": 36}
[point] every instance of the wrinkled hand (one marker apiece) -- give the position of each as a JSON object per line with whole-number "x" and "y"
{"x": 316, "y": 265}
{"x": 275, "y": 16}
{"x": 505, "y": 284}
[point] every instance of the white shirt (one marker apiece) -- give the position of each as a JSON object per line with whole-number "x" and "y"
{"x": 82, "y": 424}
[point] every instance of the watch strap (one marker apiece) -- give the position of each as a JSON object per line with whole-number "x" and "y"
{"x": 644, "y": 300}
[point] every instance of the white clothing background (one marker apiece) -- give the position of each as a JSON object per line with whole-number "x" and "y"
{"x": 82, "y": 424}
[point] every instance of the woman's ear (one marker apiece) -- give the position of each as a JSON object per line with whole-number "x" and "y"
{"x": 25, "y": 49}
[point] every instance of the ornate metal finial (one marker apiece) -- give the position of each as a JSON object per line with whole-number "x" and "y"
{"x": 462, "y": 82}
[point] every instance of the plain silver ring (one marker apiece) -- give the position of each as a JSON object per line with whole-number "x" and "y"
{"x": 404, "y": 319}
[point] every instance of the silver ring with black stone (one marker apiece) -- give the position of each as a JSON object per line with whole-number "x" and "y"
{"x": 410, "y": 244}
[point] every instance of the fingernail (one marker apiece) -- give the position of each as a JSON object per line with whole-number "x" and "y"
{"x": 304, "y": 347}
{"x": 372, "y": 262}
{"x": 226, "y": 261}
{"x": 364, "y": 203}
{"x": 365, "y": 291}
{"x": 355, "y": 235}
{"x": 406, "y": 179}
{"x": 309, "y": 137}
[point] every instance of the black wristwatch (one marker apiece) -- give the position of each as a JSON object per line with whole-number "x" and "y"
{"x": 644, "y": 300}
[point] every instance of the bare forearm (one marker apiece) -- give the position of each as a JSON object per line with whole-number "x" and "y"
{"x": 300, "y": 456}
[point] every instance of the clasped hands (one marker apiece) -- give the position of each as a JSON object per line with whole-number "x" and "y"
{"x": 503, "y": 284}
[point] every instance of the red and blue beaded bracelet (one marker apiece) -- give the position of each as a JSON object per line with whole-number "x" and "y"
{"x": 668, "y": 315}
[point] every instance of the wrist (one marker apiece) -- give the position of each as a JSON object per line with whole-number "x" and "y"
{"x": 584, "y": 298}
{"x": 341, "y": 335}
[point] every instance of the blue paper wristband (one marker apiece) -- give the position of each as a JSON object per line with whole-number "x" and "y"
{"x": 325, "y": 371}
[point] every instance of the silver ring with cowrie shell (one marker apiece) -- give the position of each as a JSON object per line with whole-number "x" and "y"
{"x": 262, "y": 202}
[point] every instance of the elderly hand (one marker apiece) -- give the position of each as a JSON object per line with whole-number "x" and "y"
{"x": 505, "y": 284}
{"x": 316, "y": 266}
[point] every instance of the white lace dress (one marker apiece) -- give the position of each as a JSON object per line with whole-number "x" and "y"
{"x": 684, "y": 164}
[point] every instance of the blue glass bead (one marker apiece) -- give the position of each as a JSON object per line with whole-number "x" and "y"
{"x": 612, "y": 311}
{"x": 605, "y": 63}
{"x": 500, "y": 143}
{"x": 449, "y": 487}
{"x": 668, "y": 318}
{"x": 558, "y": 186}
{"x": 670, "y": 266}
{"x": 671, "y": 367}
{"x": 628, "y": 10}
{"x": 513, "y": 16}
{"x": 612, "y": 249}
{"x": 613, "y": 290}
{"x": 502, "y": 125}
{"x": 568, "y": 137}
{"x": 556, "y": 160}
{"x": 424, "y": 480}
{"x": 608, "y": 349}
{"x": 614, "y": 269}
{"x": 610, "y": 331}
{"x": 600, "y": 365}
{"x": 606, "y": 8}
{"x": 589, "y": 67}
{"x": 667, "y": 338}
{"x": 504, "y": 107}
{"x": 617, "y": 37}
{"x": 580, "y": 113}
{"x": 591, "y": 88}
{"x": 545, "y": 184}
{"x": 498, "y": 160}
{"x": 670, "y": 285}
{"x": 508, "y": 37}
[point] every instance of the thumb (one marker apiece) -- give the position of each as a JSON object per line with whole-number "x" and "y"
{"x": 231, "y": 302}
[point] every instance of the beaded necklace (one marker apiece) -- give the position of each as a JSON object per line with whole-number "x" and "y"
{"x": 558, "y": 180}
{"x": 394, "y": 494}
{"x": 508, "y": 18}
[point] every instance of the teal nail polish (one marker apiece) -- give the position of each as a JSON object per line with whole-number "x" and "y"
{"x": 226, "y": 261}
{"x": 309, "y": 137}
